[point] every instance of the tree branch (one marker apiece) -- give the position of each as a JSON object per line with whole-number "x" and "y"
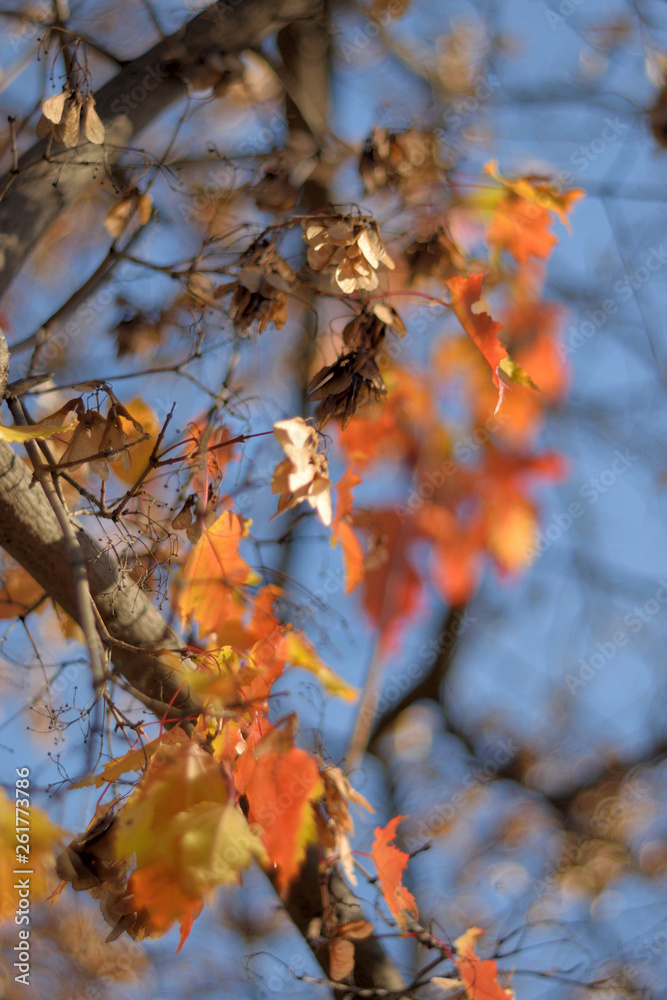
{"x": 41, "y": 189}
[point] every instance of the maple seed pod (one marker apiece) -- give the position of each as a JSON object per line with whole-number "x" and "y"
{"x": 350, "y": 244}
{"x": 93, "y": 129}
{"x": 184, "y": 517}
{"x": 66, "y": 131}
{"x": 52, "y": 112}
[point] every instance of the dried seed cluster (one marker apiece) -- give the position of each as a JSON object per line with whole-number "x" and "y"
{"x": 304, "y": 474}
{"x": 434, "y": 255}
{"x": 65, "y": 115}
{"x": 97, "y": 439}
{"x": 89, "y": 863}
{"x": 354, "y": 378}
{"x": 260, "y": 291}
{"x": 352, "y": 245}
{"x": 390, "y": 159}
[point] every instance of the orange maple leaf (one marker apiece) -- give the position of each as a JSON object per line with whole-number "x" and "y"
{"x": 456, "y": 558}
{"x": 540, "y": 191}
{"x": 353, "y": 553}
{"x": 19, "y": 593}
{"x": 153, "y": 888}
{"x": 213, "y": 572}
{"x": 479, "y": 976}
{"x": 390, "y": 863}
{"x": 280, "y": 787}
{"x": 138, "y": 457}
{"x": 522, "y": 229}
{"x": 393, "y": 590}
{"x": 482, "y": 330}
{"x": 187, "y": 834}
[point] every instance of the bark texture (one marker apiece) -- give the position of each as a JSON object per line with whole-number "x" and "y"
{"x": 144, "y": 88}
{"x": 30, "y": 533}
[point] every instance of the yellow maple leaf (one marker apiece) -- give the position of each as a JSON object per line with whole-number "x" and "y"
{"x": 540, "y": 191}
{"x": 20, "y": 434}
{"x": 300, "y": 653}
{"x": 186, "y": 832}
{"x": 213, "y": 573}
{"x": 39, "y": 849}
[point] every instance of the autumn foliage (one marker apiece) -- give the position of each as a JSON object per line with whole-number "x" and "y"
{"x": 238, "y": 786}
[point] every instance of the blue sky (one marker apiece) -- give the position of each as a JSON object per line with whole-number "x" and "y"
{"x": 528, "y": 635}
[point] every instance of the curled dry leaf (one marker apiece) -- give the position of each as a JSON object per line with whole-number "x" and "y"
{"x": 434, "y": 254}
{"x": 354, "y": 378}
{"x": 188, "y": 521}
{"x": 338, "y": 793}
{"x": 66, "y": 131}
{"x": 90, "y": 863}
{"x": 341, "y": 947}
{"x": 304, "y": 475}
{"x": 350, "y": 244}
{"x": 94, "y": 434}
{"x": 274, "y": 191}
{"x": 52, "y": 112}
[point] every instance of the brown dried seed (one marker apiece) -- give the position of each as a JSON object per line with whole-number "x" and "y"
{"x": 66, "y": 131}
{"x": 53, "y": 108}
{"x": 318, "y": 258}
{"x": 93, "y": 128}
{"x": 44, "y": 127}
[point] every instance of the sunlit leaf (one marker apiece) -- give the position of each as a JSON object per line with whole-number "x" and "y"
{"x": 212, "y": 573}
{"x": 390, "y": 863}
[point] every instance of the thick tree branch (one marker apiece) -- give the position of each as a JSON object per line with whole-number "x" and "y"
{"x": 31, "y": 534}
{"x": 41, "y": 189}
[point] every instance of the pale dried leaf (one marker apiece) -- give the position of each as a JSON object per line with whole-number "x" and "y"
{"x": 341, "y": 959}
{"x": 447, "y": 984}
{"x": 145, "y": 208}
{"x": 367, "y": 249}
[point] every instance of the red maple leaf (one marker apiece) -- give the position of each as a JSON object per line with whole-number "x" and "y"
{"x": 482, "y": 330}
